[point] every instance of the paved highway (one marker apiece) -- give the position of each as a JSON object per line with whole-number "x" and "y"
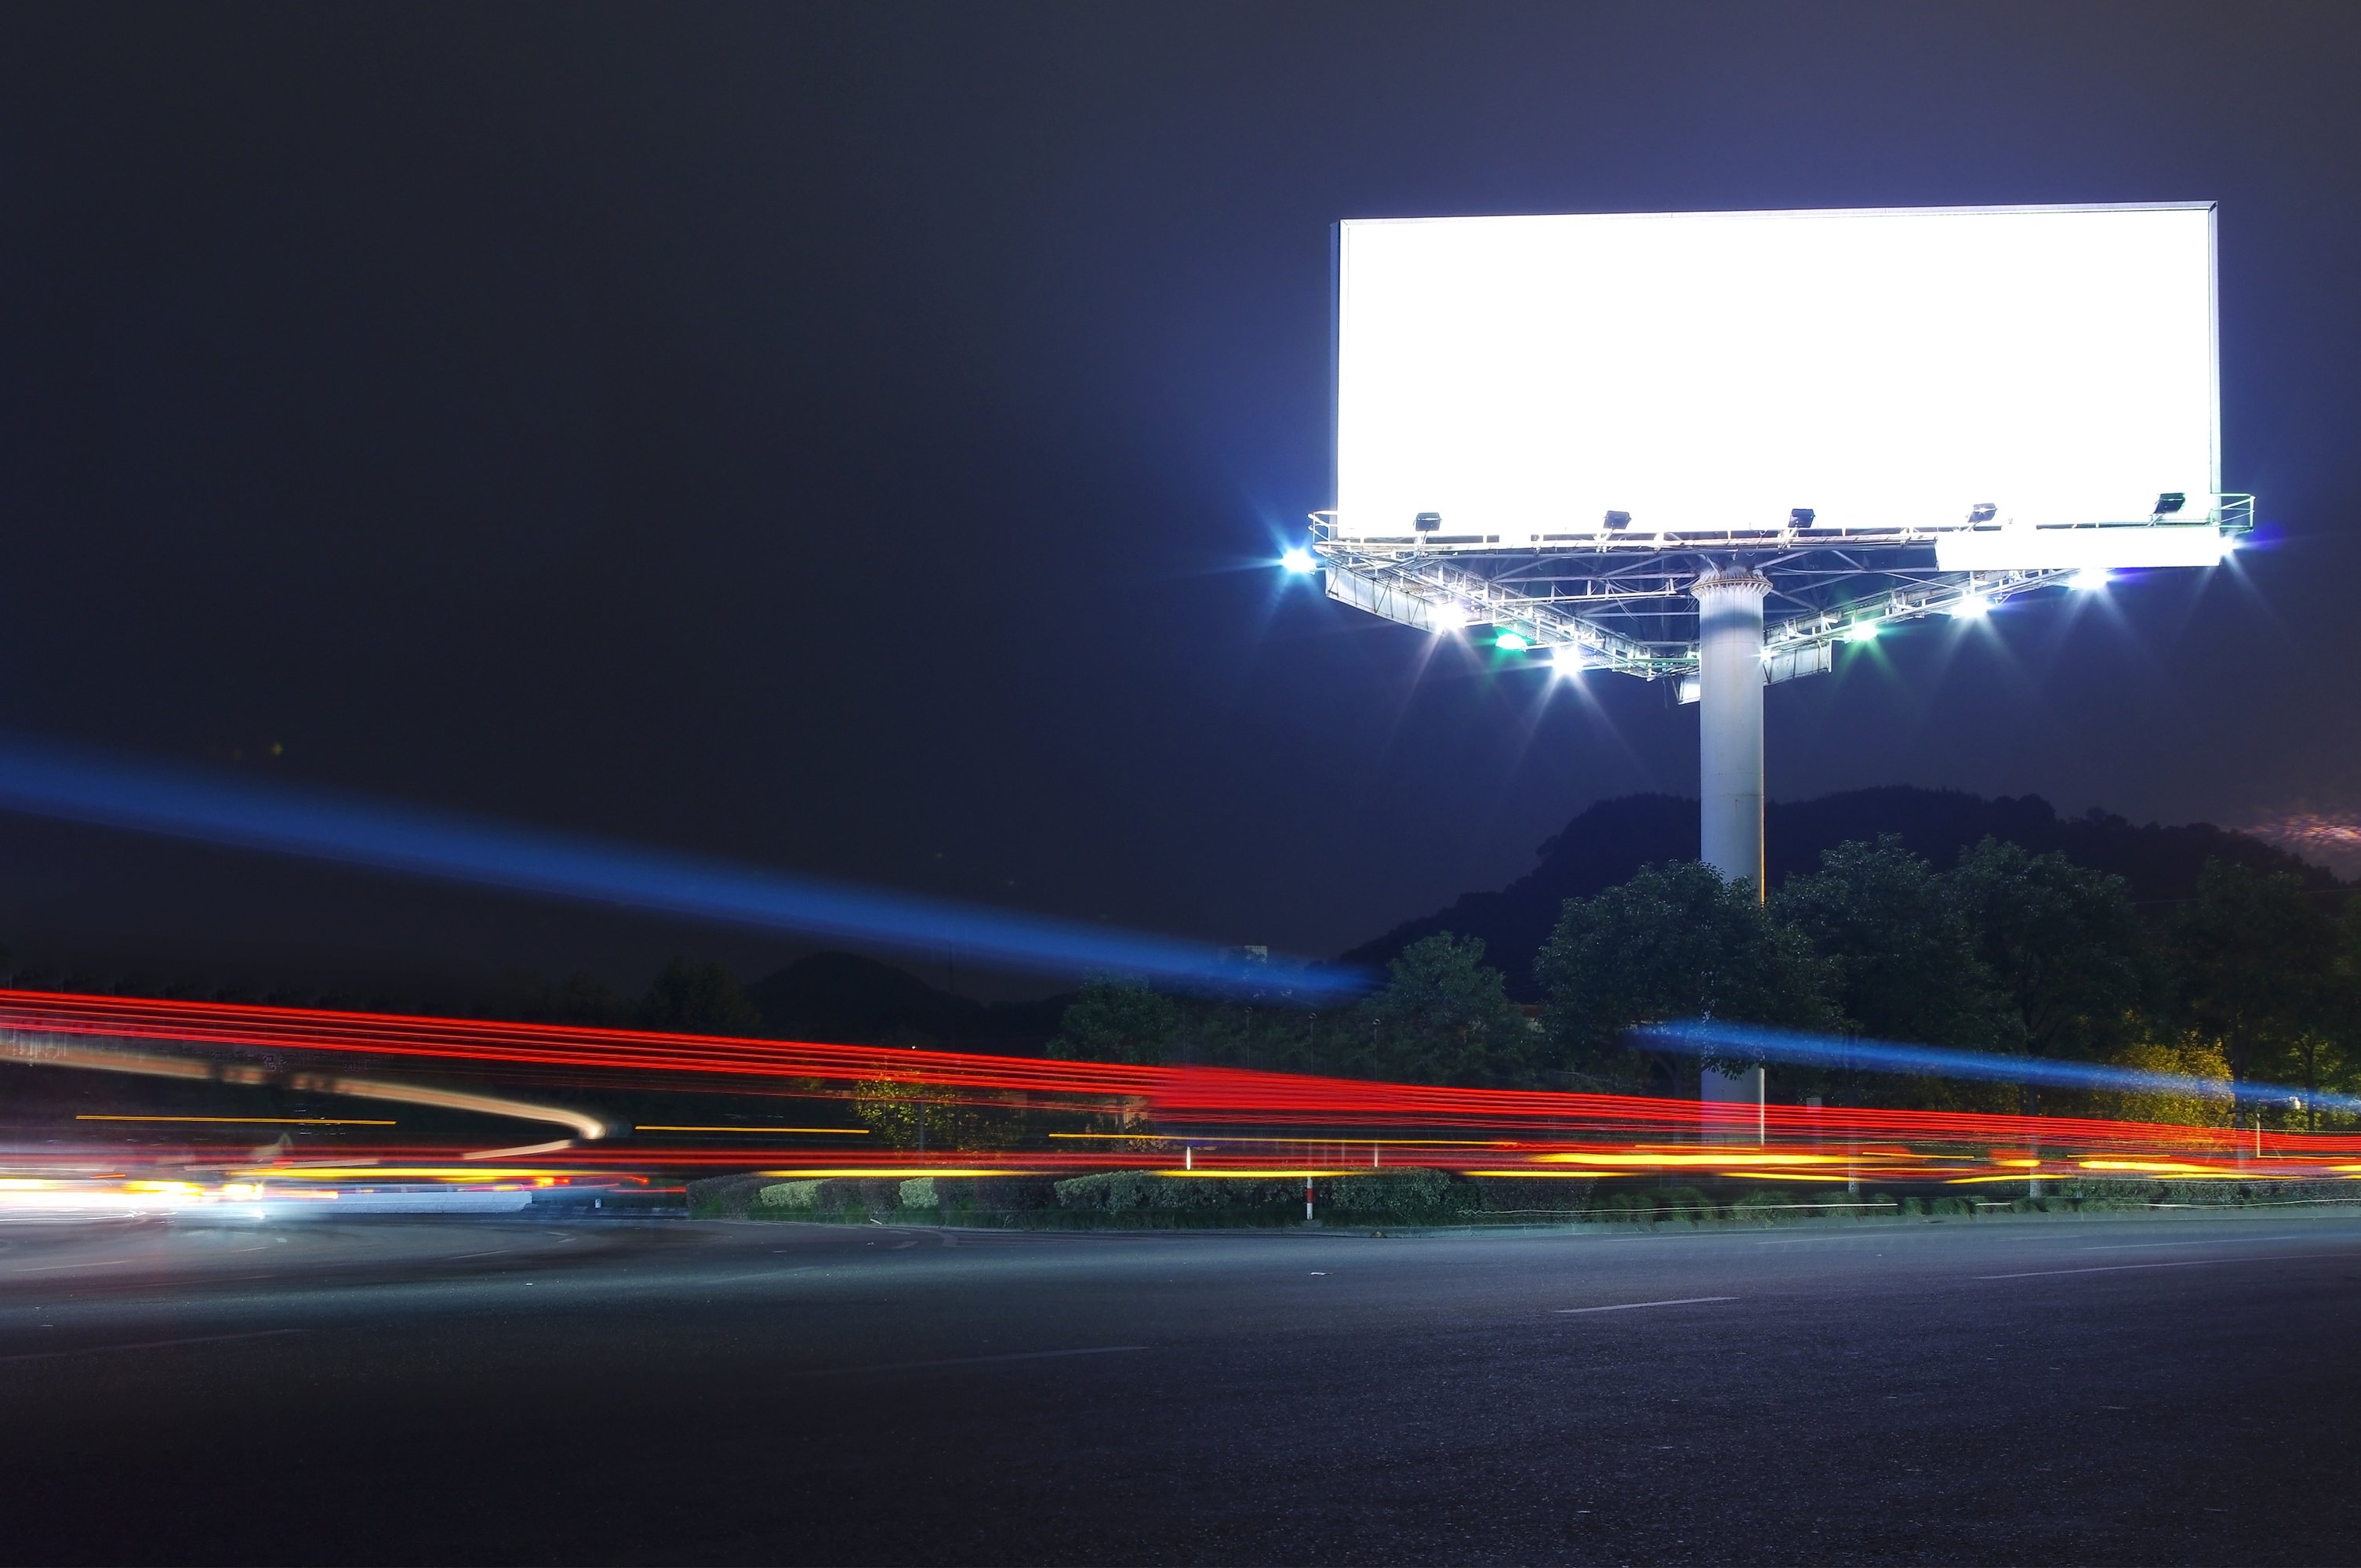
{"x": 2137, "y": 1391}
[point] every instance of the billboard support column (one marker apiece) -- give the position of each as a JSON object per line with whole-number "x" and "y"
{"x": 1729, "y": 771}
{"x": 1730, "y": 721}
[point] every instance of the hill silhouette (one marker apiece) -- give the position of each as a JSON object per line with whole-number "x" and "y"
{"x": 853, "y": 1000}
{"x": 1610, "y": 841}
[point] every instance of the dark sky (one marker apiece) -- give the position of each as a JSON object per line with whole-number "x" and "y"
{"x": 848, "y": 438}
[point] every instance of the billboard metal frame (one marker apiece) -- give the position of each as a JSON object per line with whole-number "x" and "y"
{"x": 1623, "y": 603}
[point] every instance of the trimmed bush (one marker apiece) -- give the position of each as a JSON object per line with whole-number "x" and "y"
{"x": 1765, "y": 1207}
{"x": 790, "y": 1195}
{"x": 1406, "y": 1194}
{"x": 723, "y": 1196}
{"x": 1127, "y": 1191}
{"x": 997, "y": 1194}
{"x": 1547, "y": 1193}
{"x": 826, "y": 1197}
{"x": 919, "y": 1192}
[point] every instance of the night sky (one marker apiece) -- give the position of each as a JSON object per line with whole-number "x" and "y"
{"x": 851, "y": 438}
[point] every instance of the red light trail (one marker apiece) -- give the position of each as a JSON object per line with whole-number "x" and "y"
{"x": 1348, "y": 1123}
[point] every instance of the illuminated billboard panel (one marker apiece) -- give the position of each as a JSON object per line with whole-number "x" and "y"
{"x": 1504, "y": 379}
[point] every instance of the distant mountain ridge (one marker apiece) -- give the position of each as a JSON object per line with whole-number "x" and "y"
{"x": 849, "y": 999}
{"x": 1606, "y": 843}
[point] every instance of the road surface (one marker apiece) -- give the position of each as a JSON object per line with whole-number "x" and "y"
{"x": 2137, "y": 1390}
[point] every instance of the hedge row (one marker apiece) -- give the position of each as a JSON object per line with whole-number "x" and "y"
{"x": 1404, "y": 1196}
{"x": 1409, "y": 1197}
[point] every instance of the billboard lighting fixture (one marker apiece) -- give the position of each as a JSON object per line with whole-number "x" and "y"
{"x": 2090, "y": 579}
{"x": 2171, "y": 501}
{"x": 1982, "y": 512}
{"x": 1427, "y": 522}
{"x": 1618, "y": 520}
{"x": 1514, "y": 641}
{"x": 1861, "y": 632}
{"x": 1446, "y": 618}
{"x": 1298, "y": 561}
{"x": 1801, "y": 517}
{"x": 1975, "y": 607}
{"x": 1566, "y": 659}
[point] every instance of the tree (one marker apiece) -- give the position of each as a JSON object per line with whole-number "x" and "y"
{"x": 2063, "y": 945}
{"x": 1117, "y": 1021}
{"x": 1444, "y": 1017}
{"x": 2192, "y": 1055}
{"x": 2342, "y": 1016}
{"x": 2257, "y": 962}
{"x": 1902, "y": 955}
{"x": 905, "y": 1114}
{"x": 577, "y": 999}
{"x": 698, "y": 998}
{"x": 1257, "y": 1033}
{"x": 1676, "y": 941}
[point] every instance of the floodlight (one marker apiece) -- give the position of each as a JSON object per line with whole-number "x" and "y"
{"x": 1975, "y": 607}
{"x": 1446, "y": 617}
{"x": 1861, "y": 632}
{"x": 2090, "y": 579}
{"x": 1298, "y": 561}
{"x": 1427, "y": 522}
{"x": 1566, "y": 659}
{"x": 1514, "y": 641}
{"x": 2169, "y": 502}
{"x": 1800, "y": 519}
{"x": 1982, "y": 512}
{"x": 1618, "y": 520}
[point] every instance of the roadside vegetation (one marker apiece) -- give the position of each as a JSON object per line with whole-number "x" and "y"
{"x": 1416, "y": 1200}
{"x": 2257, "y": 978}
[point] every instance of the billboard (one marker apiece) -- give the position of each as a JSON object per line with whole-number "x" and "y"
{"x": 1503, "y": 381}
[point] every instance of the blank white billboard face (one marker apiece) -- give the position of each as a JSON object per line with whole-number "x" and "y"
{"x": 1525, "y": 376}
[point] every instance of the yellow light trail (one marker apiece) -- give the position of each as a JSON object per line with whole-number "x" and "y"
{"x": 904, "y": 1172}
{"x": 251, "y": 1121}
{"x": 1309, "y": 1143}
{"x": 2014, "y": 1176}
{"x": 838, "y": 1132}
{"x": 2161, "y": 1166}
{"x": 1260, "y": 1175}
{"x": 400, "y": 1172}
{"x": 1538, "y": 1173}
{"x": 1752, "y": 1156}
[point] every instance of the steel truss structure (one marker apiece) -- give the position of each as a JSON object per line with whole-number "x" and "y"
{"x": 1624, "y": 601}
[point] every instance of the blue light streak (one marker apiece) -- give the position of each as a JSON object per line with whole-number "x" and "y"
{"x": 1754, "y": 1042}
{"x": 46, "y": 780}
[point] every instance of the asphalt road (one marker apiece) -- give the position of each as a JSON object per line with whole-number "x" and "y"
{"x": 2148, "y": 1390}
